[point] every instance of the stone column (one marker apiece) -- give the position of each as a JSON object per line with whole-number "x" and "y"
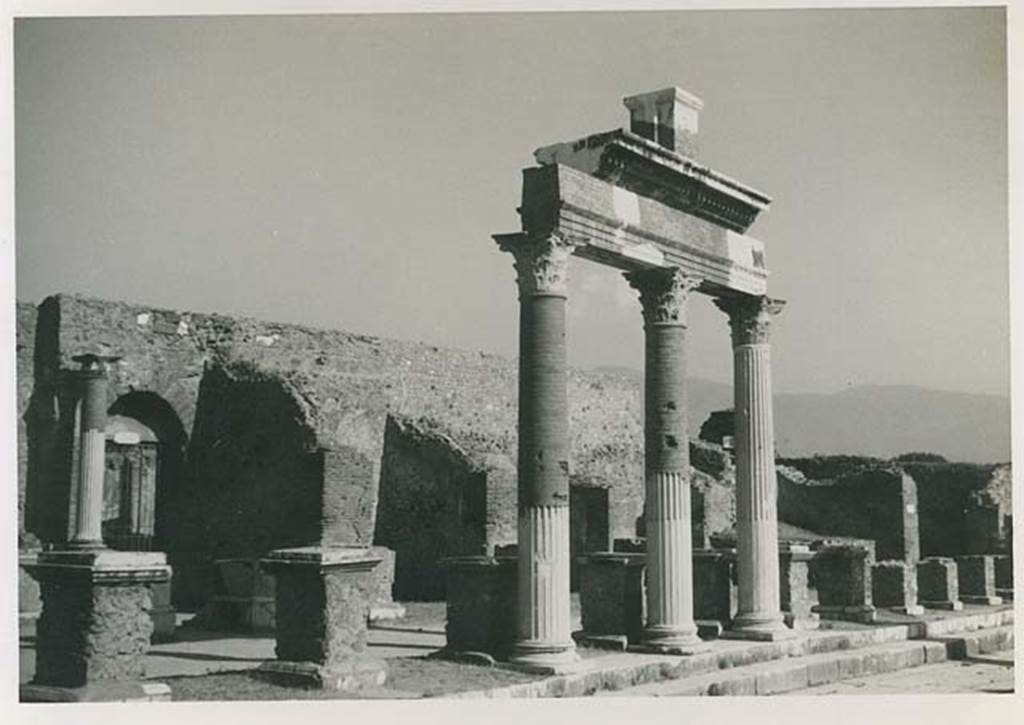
{"x": 670, "y": 624}
{"x": 544, "y": 638}
{"x": 759, "y": 615}
{"x": 92, "y": 451}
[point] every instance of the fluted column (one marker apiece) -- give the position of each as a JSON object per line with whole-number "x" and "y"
{"x": 670, "y": 624}
{"x": 92, "y": 452}
{"x": 543, "y": 614}
{"x": 757, "y": 563}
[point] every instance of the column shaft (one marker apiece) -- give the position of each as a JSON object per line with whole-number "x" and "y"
{"x": 757, "y": 538}
{"x": 543, "y": 614}
{"x": 92, "y": 455}
{"x": 756, "y": 519}
{"x": 666, "y": 459}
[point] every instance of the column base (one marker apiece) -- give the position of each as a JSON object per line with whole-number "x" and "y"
{"x": 759, "y": 628}
{"x": 343, "y": 676}
{"x": 980, "y": 599}
{"x": 951, "y": 606}
{"x": 114, "y": 691}
{"x": 544, "y": 657}
{"x": 671, "y": 640}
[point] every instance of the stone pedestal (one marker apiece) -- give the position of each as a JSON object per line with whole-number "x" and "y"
{"x": 937, "y": 584}
{"x": 757, "y": 564}
{"x": 544, "y": 642}
{"x": 894, "y": 586}
{"x": 1004, "y": 576}
{"x": 161, "y": 611}
{"x": 243, "y": 597}
{"x": 842, "y": 575}
{"x": 667, "y": 525}
{"x": 715, "y": 595}
{"x": 976, "y": 577}
{"x": 797, "y": 596}
{"x": 94, "y": 630}
{"x": 322, "y": 606}
{"x": 481, "y": 608}
{"x": 382, "y": 605}
{"x": 612, "y": 598}
{"x": 29, "y": 602}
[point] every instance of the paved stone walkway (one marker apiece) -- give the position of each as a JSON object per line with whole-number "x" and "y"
{"x": 982, "y": 673}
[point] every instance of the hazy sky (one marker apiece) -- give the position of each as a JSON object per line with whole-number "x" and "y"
{"x": 348, "y": 171}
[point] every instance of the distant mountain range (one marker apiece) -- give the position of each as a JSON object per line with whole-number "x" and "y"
{"x": 873, "y": 420}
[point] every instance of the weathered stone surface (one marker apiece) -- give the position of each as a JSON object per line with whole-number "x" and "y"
{"x": 714, "y": 585}
{"x": 842, "y": 573}
{"x": 937, "y": 583}
{"x": 88, "y": 632}
{"x": 797, "y": 595}
{"x": 481, "y": 614}
{"x": 894, "y": 584}
{"x": 976, "y": 578}
{"x": 612, "y": 595}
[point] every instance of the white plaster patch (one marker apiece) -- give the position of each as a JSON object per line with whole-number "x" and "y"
{"x": 142, "y": 319}
{"x": 626, "y": 206}
{"x": 182, "y": 327}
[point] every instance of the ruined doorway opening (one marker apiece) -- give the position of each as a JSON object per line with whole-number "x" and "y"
{"x": 133, "y": 457}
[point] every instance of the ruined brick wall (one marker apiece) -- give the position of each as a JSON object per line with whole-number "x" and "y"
{"x": 873, "y": 503}
{"x": 338, "y": 389}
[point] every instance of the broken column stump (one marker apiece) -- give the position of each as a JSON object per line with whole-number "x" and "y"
{"x": 842, "y": 573}
{"x": 611, "y": 599}
{"x": 894, "y": 586}
{"x": 715, "y": 595}
{"x": 976, "y": 577}
{"x": 481, "y": 607}
{"x": 322, "y": 607}
{"x": 798, "y": 596}
{"x": 937, "y": 584}
{"x": 94, "y": 630}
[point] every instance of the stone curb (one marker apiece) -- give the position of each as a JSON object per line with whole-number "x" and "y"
{"x": 764, "y": 669}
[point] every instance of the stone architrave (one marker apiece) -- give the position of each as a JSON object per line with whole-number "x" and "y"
{"x": 670, "y": 623}
{"x": 322, "y": 606}
{"x": 760, "y": 615}
{"x": 544, "y": 638}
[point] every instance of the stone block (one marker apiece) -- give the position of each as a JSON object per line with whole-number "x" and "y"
{"x": 481, "y": 605}
{"x": 937, "y": 583}
{"x": 894, "y": 586}
{"x": 29, "y": 601}
{"x": 1003, "y": 571}
{"x": 842, "y": 575}
{"x": 976, "y": 577}
{"x": 781, "y": 678}
{"x": 612, "y": 594}
{"x": 95, "y": 625}
{"x": 243, "y": 597}
{"x": 715, "y": 595}
{"x": 798, "y": 595}
{"x": 820, "y": 673}
{"x": 161, "y": 611}
{"x": 322, "y": 607}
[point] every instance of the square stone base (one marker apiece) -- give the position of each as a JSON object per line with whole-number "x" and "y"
{"x": 97, "y": 692}
{"x": 613, "y": 642}
{"x": 951, "y": 606}
{"x": 977, "y": 599}
{"x": 759, "y": 635}
{"x": 683, "y": 650}
{"x": 344, "y": 676}
{"x": 861, "y": 613}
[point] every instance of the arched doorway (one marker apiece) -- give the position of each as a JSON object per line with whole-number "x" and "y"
{"x": 129, "y": 488}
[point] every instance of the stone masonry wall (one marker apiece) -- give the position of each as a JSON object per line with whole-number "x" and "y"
{"x": 874, "y": 503}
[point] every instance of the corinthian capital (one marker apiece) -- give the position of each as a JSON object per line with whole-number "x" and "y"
{"x": 541, "y": 262}
{"x": 663, "y": 293}
{"x": 749, "y": 317}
